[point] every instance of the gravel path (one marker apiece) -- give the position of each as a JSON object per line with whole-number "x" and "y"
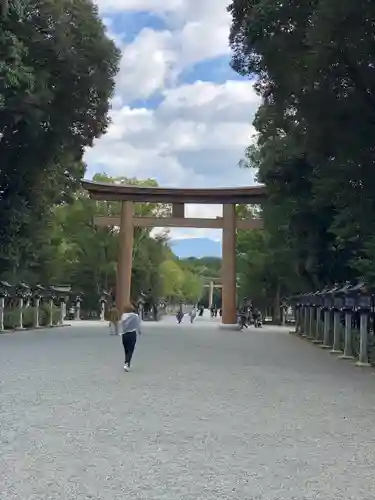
{"x": 205, "y": 414}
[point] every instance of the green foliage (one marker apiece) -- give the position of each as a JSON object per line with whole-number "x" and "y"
{"x": 57, "y": 70}
{"x": 12, "y": 317}
{"x": 206, "y": 267}
{"x": 178, "y": 283}
{"x": 314, "y": 68}
{"x": 85, "y": 255}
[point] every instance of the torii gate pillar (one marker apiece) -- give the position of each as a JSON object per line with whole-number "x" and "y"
{"x": 229, "y": 290}
{"x": 211, "y": 295}
{"x": 125, "y": 256}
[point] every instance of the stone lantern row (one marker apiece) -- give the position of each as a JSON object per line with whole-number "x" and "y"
{"x": 320, "y": 316}
{"x": 27, "y": 296}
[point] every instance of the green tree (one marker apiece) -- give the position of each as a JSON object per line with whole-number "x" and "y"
{"x": 208, "y": 267}
{"x": 172, "y": 279}
{"x": 314, "y": 64}
{"x": 87, "y": 253}
{"x": 192, "y": 287}
{"x": 57, "y": 70}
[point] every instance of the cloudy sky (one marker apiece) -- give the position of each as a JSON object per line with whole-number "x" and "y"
{"x": 180, "y": 114}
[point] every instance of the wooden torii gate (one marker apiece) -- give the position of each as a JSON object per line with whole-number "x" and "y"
{"x": 211, "y": 284}
{"x": 229, "y": 223}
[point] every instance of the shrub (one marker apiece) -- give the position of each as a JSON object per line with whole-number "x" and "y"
{"x": 12, "y": 316}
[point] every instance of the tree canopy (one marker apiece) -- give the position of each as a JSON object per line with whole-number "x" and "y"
{"x": 57, "y": 75}
{"x": 57, "y": 70}
{"x": 313, "y": 64}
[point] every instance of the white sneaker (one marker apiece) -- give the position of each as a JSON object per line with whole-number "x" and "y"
{"x": 126, "y": 367}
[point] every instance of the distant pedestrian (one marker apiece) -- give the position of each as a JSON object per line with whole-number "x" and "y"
{"x": 193, "y": 314}
{"x": 179, "y": 315}
{"x": 114, "y": 318}
{"x": 131, "y": 328}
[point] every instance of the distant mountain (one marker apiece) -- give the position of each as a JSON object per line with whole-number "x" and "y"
{"x": 196, "y": 247}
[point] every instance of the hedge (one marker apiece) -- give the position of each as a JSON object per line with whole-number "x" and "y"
{"x": 12, "y": 317}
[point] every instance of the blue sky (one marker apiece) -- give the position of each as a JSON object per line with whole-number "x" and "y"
{"x": 180, "y": 114}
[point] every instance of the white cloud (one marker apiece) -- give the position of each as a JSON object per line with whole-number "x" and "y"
{"x": 159, "y": 6}
{"x": 198, "y": 132}
{"x": 195, "y": 31}
{"x": 163, "y": 143}
{"x": 146, "y": 65}
{"x": 233, "y": 101}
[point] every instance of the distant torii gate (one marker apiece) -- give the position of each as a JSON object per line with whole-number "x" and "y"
{"x": 211, "y": 284}
{"x": 228, "y": 197}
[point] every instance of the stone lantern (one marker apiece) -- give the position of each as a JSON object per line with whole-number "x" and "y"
{"x": 310, "y": 315}
{"x": 4, "y": 291}
{"x": 317, "y": 301}
{"x": 304, "y": 314}
{"x": 140, "y": 306}
{"x": 284, "y": 310}
{"x": 23, "y": 294}
{"x": 37, "y": 293}
{"x": 364, "y": 305}
{"x": 327, "y": 308}
{"x": 78, "y": 301}
{"x": 296, "y": 304}
{"x": 348, "y": 309}
{"x": 51, "y": 295}
{"x": 338, "y": 304}
{"x": 61, "y": 293}
{"x": 103, "y": 301}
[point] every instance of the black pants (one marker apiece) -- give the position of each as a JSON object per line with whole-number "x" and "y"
{"x": 129, "y": 340}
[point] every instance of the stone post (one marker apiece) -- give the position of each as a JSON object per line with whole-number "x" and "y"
{"x": 300, "y": 319}
{"x": 311, "y": 322}
{"x": 141, "y": 311}
{"x": 326, "y": 330}
{"x": 317, "y": 335}
{"x": 283, "y": 316}
{"x": 303, "y": 321}
{"x": 336, "y": 349}
{"x": 36, "y": 313}
{"x": 2, "y": 309}
{"x": 62, "y": 311}
{"x": 102, "y": 309}
{"x": 348, "y": 346}
{"x": 20, "y": 321}
{"x": 78, "y": 309}
{"x": 4, "y": 288}
{"x": 363, "y": 340}
{"x": 297, "y": 314}
{"x": 50, "y": 319}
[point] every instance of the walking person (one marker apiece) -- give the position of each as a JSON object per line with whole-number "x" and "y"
{"x": 130, "y": 324}
{"x": 193, "y": 314}
{"x": 180, "y": 315}
{"x": 114, "y": 319}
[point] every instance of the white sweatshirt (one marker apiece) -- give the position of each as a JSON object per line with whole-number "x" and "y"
{"x": 130, "y": 322}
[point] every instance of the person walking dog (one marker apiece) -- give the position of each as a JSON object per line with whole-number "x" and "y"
{"x": 130, "y": 324}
